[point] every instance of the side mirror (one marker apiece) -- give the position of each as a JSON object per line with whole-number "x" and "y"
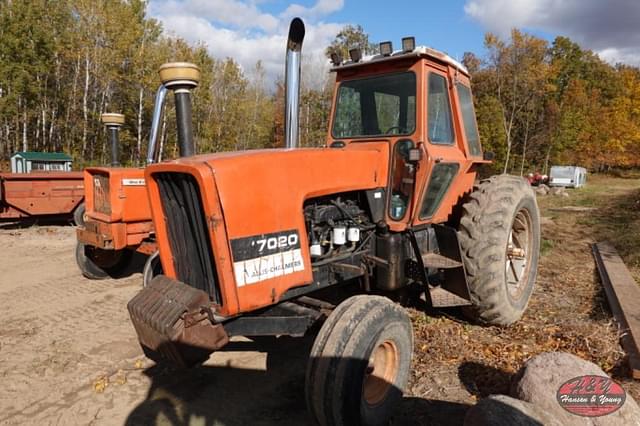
{"x": 488, "y": 156}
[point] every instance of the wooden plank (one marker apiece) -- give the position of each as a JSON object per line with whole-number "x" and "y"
{"x": 623, "y": 294}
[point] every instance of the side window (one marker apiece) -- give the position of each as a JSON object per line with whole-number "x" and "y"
{"x": 441, "y": 177}
{"x": 402, "y": 179}
{"x": 469, "y": 119}
{"x": 348, "y": 120}
{"x": 439, "y": 111}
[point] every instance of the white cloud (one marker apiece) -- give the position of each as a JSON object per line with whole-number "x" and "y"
{"x": 607, "y": 27}
{"x": 240, "y": 30}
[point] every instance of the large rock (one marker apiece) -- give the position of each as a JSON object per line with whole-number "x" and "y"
{"x": 502, "y": 410}
{"x": 557, "y": 190}
{"x": 540, "y": 378}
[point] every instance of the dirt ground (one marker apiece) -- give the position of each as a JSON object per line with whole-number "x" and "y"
{"x": 69, "y": 355}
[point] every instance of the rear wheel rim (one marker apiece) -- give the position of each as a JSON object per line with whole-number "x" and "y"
{"x": 381, "y": 372}
{"x": 518, "y": 254}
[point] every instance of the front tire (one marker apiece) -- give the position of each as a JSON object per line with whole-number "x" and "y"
{"x": 359, "y": 363}
{"x": 500, "y": 242}
{"x": 78, "y": 215}
{"x": 98, "y": 264}
{"x": 152, "y": 268}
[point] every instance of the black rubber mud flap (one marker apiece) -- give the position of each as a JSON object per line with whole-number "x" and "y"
{"x": 173, "y": 322}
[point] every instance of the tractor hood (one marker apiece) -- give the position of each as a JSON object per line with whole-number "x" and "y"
{"x": 263, "y": 191}
{"x": 248, "y": 195}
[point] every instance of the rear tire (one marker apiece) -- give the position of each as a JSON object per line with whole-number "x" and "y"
{"x": 152, "y": 268}
{"x": 359, "y": 363}
{"x": 98, "y": 264}
{"x": 499, "y": 238}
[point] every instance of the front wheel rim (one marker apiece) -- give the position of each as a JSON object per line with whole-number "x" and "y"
{"x": 518, "y": 254}
{"x": 381, "y": 372}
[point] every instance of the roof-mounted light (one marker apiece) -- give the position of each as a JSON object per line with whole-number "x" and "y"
{"x": 408, "y": 44}
{"x": 355, "y": 54}
{"x": 336, "y": 59}
{"x": 386, "y": 48}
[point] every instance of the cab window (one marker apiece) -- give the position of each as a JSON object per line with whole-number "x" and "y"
{"x": 439, "y": 111}
{"x": 469, "y": 119}
{"x": 376, "y": 106}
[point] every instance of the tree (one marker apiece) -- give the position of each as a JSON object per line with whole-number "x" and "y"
{"x": 351, "y": 37}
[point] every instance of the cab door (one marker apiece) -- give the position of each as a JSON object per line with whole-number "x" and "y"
{"x": 445, "y": 172}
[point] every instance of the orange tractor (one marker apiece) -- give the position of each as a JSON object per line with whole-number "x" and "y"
{"x": 117, "y": 218}
{"x": 117, "y": 221}
{"x": 262, "y": 242}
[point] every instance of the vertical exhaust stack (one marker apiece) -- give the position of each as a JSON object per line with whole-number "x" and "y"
{"x": 292, "y": 83}
{"x": 182, "y": 77}
{"x": 153, "y": 151}
{"x": 113, "y": 122}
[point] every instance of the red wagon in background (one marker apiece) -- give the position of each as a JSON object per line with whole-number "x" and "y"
{"x": 40, "y": 187}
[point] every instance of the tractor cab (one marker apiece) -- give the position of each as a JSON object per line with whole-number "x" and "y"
{"x": 418, "y": 101}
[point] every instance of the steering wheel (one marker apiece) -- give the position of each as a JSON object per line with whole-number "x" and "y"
{"x": 398, "y": 128}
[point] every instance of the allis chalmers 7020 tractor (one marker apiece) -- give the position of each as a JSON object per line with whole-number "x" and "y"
{"x": 262, "y": 242}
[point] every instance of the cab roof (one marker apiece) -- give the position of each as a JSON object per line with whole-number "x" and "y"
{"x": 418, "y": 52}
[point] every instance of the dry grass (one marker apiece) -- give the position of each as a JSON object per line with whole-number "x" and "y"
{"x": 568, "y": 311}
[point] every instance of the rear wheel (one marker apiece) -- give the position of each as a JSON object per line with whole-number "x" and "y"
{"x": 152, "y": 268}
{"x": 98, "y": 264}
{"x": 359, "y": 363}
{"x": 500, "y": 242}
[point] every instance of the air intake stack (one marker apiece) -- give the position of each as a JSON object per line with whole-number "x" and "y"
{"x": 292, "y": 83}
{"x": 182, "y": 77}
{"x": 113, "y": 122}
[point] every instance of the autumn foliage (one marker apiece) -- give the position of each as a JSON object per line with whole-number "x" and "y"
{"x": 63, "y": 63}
{"x": 540, "y": 104}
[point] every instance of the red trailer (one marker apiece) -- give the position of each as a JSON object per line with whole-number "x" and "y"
{"x": 50, "y": 195}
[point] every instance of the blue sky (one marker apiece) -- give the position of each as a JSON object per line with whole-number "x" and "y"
{"x": 251, "y": 30}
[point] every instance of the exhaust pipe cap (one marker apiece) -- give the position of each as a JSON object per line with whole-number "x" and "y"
{"x": 112, "y": 119}
{"x": 183, "y": 74}
{"x": 296, "y": 35}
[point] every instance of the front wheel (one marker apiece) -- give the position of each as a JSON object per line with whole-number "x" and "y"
{"x": 98, "y": 264}
{"x": 78, "y": 215}
{"x": 500, "y": 242}
{"x": 359, "y": 363}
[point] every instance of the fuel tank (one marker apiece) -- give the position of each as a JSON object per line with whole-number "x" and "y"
{"x": 232, "y": 224}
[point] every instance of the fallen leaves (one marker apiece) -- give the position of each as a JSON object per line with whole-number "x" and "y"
{"x": 102, "y": 382}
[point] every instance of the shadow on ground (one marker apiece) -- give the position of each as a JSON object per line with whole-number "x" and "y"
{"x": 228, "y": 395}
{"x": 31, "y": 221}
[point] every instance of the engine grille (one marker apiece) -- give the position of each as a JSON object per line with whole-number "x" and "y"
{"x": 101, "y": 191}
{"x": 188, "y": 232}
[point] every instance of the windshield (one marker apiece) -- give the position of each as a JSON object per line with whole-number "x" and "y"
{"x": 376, "y": 106}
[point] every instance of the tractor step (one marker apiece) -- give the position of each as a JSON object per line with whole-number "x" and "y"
{"x": 441, "y": 298}
{"x": 437, "y": 261}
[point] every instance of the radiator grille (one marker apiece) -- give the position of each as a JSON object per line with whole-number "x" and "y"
{"x": 101, "y": 191}
{"x": 188, "y": 232}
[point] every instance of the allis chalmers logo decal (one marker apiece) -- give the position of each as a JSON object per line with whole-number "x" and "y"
{"x": 262, "y": 257}
{"x": 591, "y": 396}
